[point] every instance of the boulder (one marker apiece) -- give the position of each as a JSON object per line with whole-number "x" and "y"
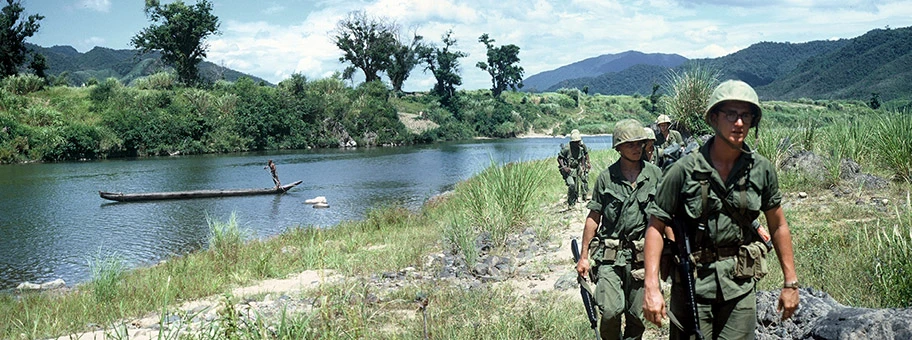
{"x": 55, "y": 284}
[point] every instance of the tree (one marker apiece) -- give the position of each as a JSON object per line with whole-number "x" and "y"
{"x": 502, "y": 66}
{"x": 874, "y": 103}
{"x": 12, "y": 36}
{"x": 179, "y": 35}
{"x": 444, "y": 65}
{"x": 403, "y": 60}
{"x": 367, "y": 43}
{"x": 39, "y": 65}
{"x": 654, "y": 97}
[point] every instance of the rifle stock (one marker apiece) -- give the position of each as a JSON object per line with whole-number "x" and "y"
{"x": 690, "y": 325}
{"x": 588, "y": 301}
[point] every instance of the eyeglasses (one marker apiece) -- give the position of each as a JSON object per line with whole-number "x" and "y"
{"x": 733, "y": 116}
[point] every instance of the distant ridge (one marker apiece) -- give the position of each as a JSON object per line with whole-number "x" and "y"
{"x": 880, "y": 61}
{"x": 594, "y": 67}
{"x": 125, "y": 65}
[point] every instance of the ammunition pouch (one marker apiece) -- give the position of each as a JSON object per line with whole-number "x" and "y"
{"x": 751, "y": 261}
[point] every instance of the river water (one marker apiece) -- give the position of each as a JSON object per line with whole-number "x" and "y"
{"x": 52, "y": 221}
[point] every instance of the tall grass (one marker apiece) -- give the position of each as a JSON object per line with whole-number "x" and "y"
{"x": 893, "y": 141}
{"x": 891, "y": 249}
{"x": 498, "y": 200}
{"x": 689, "y": 93}
{"x": 107, "y": 272}
{"x": 225, "y": 238}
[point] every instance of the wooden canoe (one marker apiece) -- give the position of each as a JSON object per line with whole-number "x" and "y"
{"x": 149, "y": 196}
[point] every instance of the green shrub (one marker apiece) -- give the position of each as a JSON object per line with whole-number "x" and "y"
{"x": 156, "y": 81}
{"x": 23, "y": 84}
{"x": 689, "y": 93}
{"x": 104, "y": 90}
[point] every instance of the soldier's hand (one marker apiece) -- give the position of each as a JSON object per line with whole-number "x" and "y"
{"x": 788, "y": 302}
{"x": 565, "y": 170}
{"x": 654, "y": 306}
{"x": 582, "y": 267}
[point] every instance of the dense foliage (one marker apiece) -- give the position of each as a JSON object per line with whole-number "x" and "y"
{"x": 502, "y": 64}
{"x": 13, "y": 31}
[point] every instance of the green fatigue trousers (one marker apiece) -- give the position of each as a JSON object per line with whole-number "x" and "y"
{"x": 733, "y": 319}
{"x": 617, "y": 293}
{"x": 577, "y": 183}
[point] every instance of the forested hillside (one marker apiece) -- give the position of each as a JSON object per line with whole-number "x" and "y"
{"x": 878, "y": 62}
{"x": 69, "y": 66}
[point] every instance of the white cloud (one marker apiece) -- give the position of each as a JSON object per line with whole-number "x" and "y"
{"x": 96, "y": 5}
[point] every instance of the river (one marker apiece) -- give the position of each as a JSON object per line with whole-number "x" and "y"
{"x": 52, "y": 221}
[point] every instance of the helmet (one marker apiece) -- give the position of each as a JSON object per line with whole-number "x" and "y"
{"x": 575, "y": 136}
{"x": 734, "y": 90}
{"x": 650, "y": 133}
{"x": 627, "y": 130}
{"x": 663, "y": 119}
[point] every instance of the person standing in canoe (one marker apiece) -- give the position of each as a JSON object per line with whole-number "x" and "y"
{"x": 275, "y": 177}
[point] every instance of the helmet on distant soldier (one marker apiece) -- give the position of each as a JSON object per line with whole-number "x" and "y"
{"x": 650, "y": 133}
{"x": 734, "y": 90}
{"x": 575, "y": 136}
{"x": 663, "y": 119}
{"x": 627, "y": 130}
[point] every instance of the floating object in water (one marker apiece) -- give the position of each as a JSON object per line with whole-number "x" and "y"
{"x": 321, "y": 205}
{"x": 316, "y": 200}
{"x": 121, "y": 197}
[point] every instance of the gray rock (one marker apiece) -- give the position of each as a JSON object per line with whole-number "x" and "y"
{"x": 819, "y": 316}
{"x": 55, "y": 284}
{"x": 848, "y": 168}
{"x": 807, "y": 162}
{"x": 567, "y": 281}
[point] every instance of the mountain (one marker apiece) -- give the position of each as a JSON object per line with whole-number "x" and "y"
{"x": 594, "y": 67}
{"x": 125, "y": 65}
{"x": 878, "y": 61}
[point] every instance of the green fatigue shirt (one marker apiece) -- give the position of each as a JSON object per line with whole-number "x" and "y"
{"x": 679, "y": 198}
{"x": 623, "y": 204}
{"x": 574, "y": 158}
{"x": 673, "y": 137}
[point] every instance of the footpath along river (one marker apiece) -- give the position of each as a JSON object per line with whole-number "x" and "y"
{"x": 52, "y": 221}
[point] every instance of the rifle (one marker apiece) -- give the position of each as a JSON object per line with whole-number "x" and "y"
{"x": 686, "y": 271}
{"x": 587, "y": 297}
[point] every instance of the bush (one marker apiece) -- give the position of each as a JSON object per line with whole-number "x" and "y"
{"x": 157, "y": 81}
{"x": 23, "y": 84}
{"x": 893, "y": 133}
{"x": 105, "y": 90}
{"x": 689, "y": 94}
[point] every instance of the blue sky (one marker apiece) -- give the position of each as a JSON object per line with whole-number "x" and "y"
{"x": 272, "y": 39}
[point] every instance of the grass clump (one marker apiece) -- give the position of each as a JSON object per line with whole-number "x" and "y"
{"x": 891, "y": 252}
{"x": 107, "y": 274}
{"x": 689, "y": 93}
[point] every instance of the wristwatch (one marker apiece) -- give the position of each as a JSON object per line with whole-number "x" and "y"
{"x": 792, "y": 284}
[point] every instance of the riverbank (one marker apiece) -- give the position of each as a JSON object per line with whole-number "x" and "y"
{"x": 445, "y": 270}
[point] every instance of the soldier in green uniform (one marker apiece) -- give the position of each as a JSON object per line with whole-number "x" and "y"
{"x": 613, "y": 234}
{"x": 573, "y": 162}
{"x": 714, "y": 195}
{"x": 666, "y": 137}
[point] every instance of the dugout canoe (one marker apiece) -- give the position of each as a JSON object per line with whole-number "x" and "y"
{"x": 151, "y": 196}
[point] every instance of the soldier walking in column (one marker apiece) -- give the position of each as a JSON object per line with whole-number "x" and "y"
{"x": 573, "y": 162}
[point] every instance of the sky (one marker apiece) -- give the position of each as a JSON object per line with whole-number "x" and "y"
{"x": 273, "y": 39}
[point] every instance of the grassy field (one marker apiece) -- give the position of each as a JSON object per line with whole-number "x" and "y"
{"x": 850, "y": 241}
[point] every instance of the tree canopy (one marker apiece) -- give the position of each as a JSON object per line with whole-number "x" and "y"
{"x": 502, "y": 65}
{"x": 178, "y": 32}
{"x": 367, "y": 43}
{"x": 403, "y": 60}
{"x": 444, "y": 64}
{"x": 13, "y": 32}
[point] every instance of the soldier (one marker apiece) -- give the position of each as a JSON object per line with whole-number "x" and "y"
{"x": 613, "y": 234}
{"x": 713, "y": 195}
{"x": 649, "y": 147}
{"x": 573, "y": 162}
{"x": 666, "y": 138}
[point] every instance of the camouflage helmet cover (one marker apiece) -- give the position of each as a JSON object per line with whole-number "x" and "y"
{"x": 663, "y": 119}
{"x": 575, "y": 136}
{"x": 650, "y": 133}
{"x": 734, "y": 90}
{"x": 627, "y": 130}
